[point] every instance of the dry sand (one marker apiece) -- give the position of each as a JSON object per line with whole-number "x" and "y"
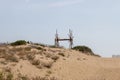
{"x": 73, "y": 65}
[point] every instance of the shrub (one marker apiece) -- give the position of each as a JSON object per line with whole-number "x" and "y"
{"x": 19, "y": 42}
{"x": 83, "y": 49}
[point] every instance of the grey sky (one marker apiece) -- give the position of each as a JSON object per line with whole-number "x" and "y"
{"x": 95, "y": 23}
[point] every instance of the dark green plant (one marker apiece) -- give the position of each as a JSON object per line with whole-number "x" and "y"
{"x": 19, "y": 42}
{"x": 83, "y": 49}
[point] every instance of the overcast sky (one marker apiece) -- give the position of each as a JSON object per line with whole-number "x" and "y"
{"x": 95, "y": 23}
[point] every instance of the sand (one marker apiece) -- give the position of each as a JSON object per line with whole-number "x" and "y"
{"x": 73, "y": 65}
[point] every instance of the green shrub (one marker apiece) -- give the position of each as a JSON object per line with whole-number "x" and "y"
{"x": 83, "y": 49}
{"x": 19, "y": 42}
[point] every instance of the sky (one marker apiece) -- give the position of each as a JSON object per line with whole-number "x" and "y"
{"x": 95, "y": 23}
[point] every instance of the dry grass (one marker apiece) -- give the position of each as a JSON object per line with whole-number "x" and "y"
{"x": 44, "y": 78}
{"x": 14, "y": 49}
{"x": 61, "y": 54}
{"x": 30, "y": 56}
{"x": 11, "y": 58}
{"x": 27, "y": 48}
{"x": 54, "y": 57}
{"x": 6, "y": 74}
{"x": 2, "y": 51}
{"x": 41, "y": 63}
{"x": 47, "y": 64}
{"x": 35, "y": 62}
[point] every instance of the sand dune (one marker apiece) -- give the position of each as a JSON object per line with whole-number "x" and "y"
{"x": 32, "y": 61}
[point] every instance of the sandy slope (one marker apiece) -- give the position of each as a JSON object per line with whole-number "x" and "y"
{"x": 73, "y": 66}
{"x": 88, "y": 68}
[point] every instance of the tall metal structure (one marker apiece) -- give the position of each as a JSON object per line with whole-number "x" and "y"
{"x": 70, "y": 39}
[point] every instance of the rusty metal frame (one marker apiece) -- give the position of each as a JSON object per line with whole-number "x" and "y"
{"x": 70, "y": 39}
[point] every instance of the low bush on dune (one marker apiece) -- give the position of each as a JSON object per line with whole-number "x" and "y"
{"x": 84, "y": 49}
{"x": 19, "y": 42}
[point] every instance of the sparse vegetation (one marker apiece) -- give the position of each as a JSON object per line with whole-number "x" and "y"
{"x": 47, "y": 64}
{"x": 2, "y": 51}
{"x": 1, "y": 76}
{"x": 16, "y": 49}
{"x": 39, "y": 48}
{"x": 11, "y": 58}
{"x": 6, "y": 76}
{"x": 55, "y": 57}
{"x": 30, "y": 56}
{"x": 9, "y": 76}
{"x": 61, "y": 54}
{"x": 27, "y": 48}
{"x": 40, "y": 44}
{"x": 22, "y": 77}
{"x": 44, "y": 78}
{"x": 35, "y": 62}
